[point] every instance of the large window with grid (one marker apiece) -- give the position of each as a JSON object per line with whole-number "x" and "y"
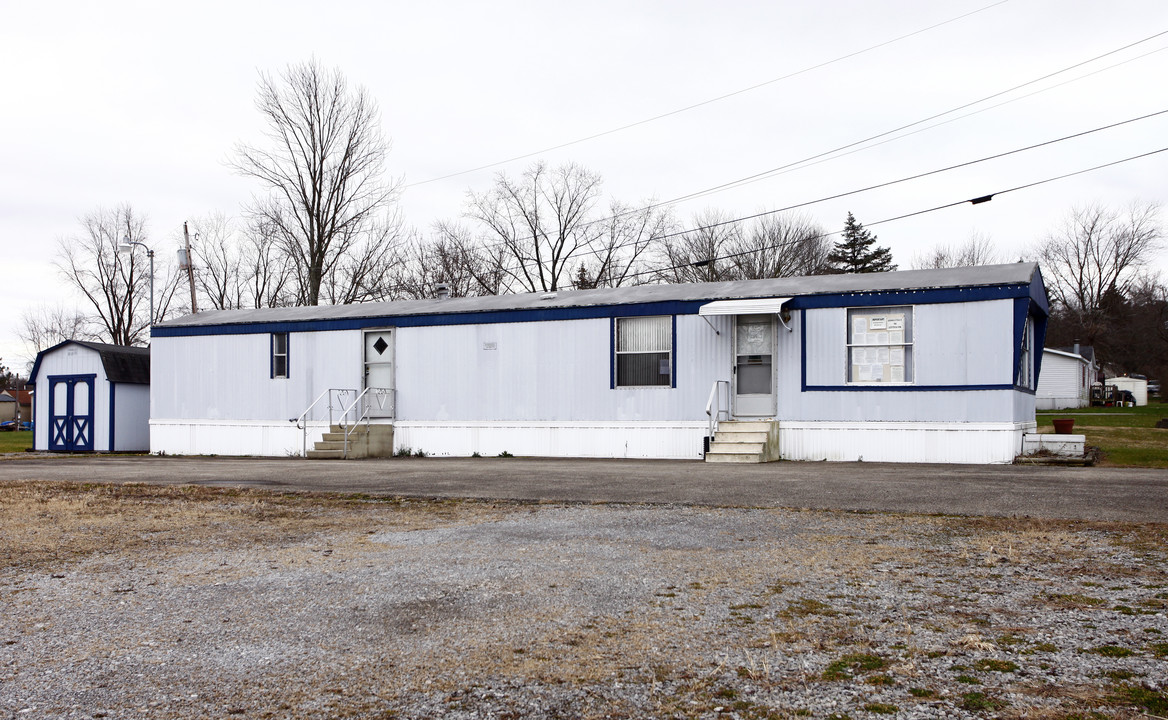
{"x": 644, "y": 351}
{"x": 880, "y": 343}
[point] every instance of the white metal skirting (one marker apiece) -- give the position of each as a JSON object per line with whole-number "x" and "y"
{"x": 975, "y": 443}
{"x": 231, "y": 437}
{"x": 664, "y": 440}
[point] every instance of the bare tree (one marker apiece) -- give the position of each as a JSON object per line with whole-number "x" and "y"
{"x": 117, "y": 286}
{"x": 1097, "y": 251}
{"x": 542, "y": 221}
{"x": 628, "y": 236}
{"x": 45, "y": 326}
{"x": 701, "y": 254}
{"x": 324, "y": 175}
{"x": 780, "y": 246}
{"x": 977, "y": 250}
{"x": 451, "y": 256}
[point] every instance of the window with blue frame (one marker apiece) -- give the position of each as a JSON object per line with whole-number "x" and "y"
{"x": 644, "y": 348}
{"x": 279, "y": 362}
{"x": 880, "y": 345}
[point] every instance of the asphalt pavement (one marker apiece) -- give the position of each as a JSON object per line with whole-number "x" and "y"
{"x": 1090, "y": 493}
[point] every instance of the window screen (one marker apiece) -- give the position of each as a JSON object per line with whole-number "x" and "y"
{"x": 279, "y": 355}
{"x": 880, "y": 345}
{"x": 643, "y": 351}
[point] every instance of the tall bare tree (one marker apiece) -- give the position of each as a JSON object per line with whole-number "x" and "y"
{"x": 453, "y": 257}
{"x": 45, "y": 326}
{"x": 115, "y": 285}
{"x": 1099, "y": 250}
{"x": 977, "y": 250}
{"x": 542, "y": 220}
{"x": 780, "y": 246}
{"x": 324, "y": 175}
{"x": 701, "y": 254}
{"x": 628, "y": 236}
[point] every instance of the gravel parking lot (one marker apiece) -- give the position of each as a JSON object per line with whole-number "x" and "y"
{"x": 190, "y": 602}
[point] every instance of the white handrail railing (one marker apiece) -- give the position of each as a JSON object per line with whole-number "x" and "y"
{"x": 345, "y": 420}
{"x": 302, "y": 421}
{"x": 714, "y": 405}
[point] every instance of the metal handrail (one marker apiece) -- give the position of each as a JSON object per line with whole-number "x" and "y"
{"x": 714, "y": 412}
{"x": 303, "y": 428}
{"x": 344, "y": 420}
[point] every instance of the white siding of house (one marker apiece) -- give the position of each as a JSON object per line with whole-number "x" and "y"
{"x": 1060, "y": 383}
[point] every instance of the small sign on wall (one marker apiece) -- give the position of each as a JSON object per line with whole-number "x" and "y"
{"x": 490, "y": 346}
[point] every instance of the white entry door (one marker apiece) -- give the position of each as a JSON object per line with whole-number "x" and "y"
{"x": 754, "y": 375}
{"x": 379, "y": 373}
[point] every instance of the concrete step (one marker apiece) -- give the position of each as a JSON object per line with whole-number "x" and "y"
{"x": 353, "y": 430}
{"x": 737, "y": 447}
{"x": 326, "y": 455}
{"x": 732, "y": 457}
{"x": 340, "y": 436}
{"x": 333, "y": 444}
{"x": 745, "y": 425}
{"x": 738, "y": 436}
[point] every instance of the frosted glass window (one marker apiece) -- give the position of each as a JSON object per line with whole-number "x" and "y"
{"x": 880, "y": 345}
{"x": 644, "y": 348}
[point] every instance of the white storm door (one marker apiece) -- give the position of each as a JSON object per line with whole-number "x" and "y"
{"x": 379, "y": 400}
{"x": 754, "y": 375}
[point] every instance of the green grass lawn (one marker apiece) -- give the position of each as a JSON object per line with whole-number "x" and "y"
{"x": 1128, "y": 437}
{"x": 17, "y": 441}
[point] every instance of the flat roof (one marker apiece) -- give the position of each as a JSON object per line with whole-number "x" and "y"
{"x": 966, "y": 277}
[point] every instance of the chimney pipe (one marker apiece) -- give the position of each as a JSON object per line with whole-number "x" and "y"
{"x": 1076, "y": 346}
{"x": 442, "y": 291}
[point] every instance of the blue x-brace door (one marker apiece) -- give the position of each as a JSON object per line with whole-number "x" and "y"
{"x": 71, "y": 413}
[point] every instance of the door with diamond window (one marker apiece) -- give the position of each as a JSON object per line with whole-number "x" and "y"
{"x": 379, "y": 399}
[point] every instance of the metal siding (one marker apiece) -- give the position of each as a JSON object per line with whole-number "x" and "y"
{"x": 131, "y": 417}
{"x": 548, "y": 371}
{"x": 963, "y": 343}
{"x": 226, "y": 376}
{"x": 827, "y": 337}
{"x": 902, "y": 442}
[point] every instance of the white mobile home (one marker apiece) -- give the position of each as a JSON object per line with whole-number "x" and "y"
{"x": 91, "y": 397}
{"x": 1067, "y": 376}
{"x": 917, "y": 366}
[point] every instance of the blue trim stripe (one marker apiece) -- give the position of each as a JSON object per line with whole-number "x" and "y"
{"x": 112, "y": 414}
{"x": 671, "y": 307}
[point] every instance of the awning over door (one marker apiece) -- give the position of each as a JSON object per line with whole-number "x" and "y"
{"x": 754, "y": 306}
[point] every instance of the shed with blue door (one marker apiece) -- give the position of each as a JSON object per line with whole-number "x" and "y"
{"x": 91, "y": 397}
{"x": 916, "y": 366}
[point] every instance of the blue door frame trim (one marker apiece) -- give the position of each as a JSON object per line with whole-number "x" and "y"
{"x": 669, "y": 307}
{"x": 68, "y": 441}
{"x": 112, "y": 400}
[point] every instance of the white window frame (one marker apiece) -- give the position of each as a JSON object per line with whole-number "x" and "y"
{"x": 906, "y": 346}
{"x": 617, "y": 352}
{"x": 281, "y": 355}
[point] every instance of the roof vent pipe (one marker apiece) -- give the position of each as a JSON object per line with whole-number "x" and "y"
{"x": 442, "y": 291}
{"x": 1076, "y": 346}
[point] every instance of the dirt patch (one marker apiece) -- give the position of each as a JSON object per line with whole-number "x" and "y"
{"x": 183, "y": 602}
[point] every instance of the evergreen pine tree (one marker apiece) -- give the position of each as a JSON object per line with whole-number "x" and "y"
{"x": 854, "y": 252}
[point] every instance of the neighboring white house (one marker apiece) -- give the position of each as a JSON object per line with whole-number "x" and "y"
{"x": 91, "y": 397}
{"x": 1067, "y": 375}
{"x": 917, "y": 366}
{"x": 1138, "y": 387}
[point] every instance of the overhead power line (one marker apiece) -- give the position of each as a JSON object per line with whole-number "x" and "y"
{"x": 974, "y": 201}
{"x": 706, "y": 102}
{"x": 853, "y": 147}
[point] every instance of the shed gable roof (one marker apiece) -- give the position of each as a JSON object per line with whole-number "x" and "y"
{"x": 121, "y": 363}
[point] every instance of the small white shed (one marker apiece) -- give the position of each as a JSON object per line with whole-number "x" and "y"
{"x": 1065, "y": 382}
{"x": 91, "y": 397}
{"x": 1138, "y": 387}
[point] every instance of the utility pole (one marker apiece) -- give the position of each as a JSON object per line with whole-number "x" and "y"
{"x": 190, "y": 268}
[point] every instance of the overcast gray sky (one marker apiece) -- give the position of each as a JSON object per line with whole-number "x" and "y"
{"x": 141, "y": 103}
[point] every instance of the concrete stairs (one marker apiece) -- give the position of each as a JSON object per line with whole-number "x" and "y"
{"x": 740, "y": 441}
{"x": 374, "y": 440}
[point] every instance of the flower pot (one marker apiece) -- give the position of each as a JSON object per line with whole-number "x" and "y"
{"x": 1064, "y": 426}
